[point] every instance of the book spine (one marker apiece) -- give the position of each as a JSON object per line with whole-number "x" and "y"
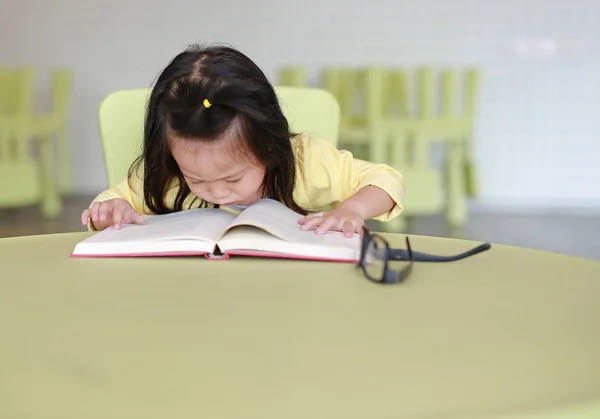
{"x": 212, "y": 256}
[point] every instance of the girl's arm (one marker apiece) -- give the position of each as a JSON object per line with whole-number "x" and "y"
{"x": 357, "y": 190}
{"x": 369, "y": 202}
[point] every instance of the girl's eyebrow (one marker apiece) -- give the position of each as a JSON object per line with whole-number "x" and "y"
{"x": 236, "y": 174}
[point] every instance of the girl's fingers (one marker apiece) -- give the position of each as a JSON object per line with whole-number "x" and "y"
{"x": 95, "y": 211}
{"x": 132, "y": 216}
{"x": 116, "y": 211}
{"x": 121, "y": 214}
{"x": 105, "y": 211}
{"x": 85, "y": 215}
{"x": 311, "y": 222}
{"x": 137, "y": 217}
{"x": 324, "y": 224}
{"x": 328, "y": 223}
{"x": 348, "y": 228}
{"x": 117, "y": 218}
{"x": 303, "y": 220}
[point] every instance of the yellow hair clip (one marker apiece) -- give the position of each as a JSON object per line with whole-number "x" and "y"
{"x": 207, "y": 103}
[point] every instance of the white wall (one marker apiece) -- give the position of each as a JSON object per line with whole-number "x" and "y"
{"x": 538, "y": 136}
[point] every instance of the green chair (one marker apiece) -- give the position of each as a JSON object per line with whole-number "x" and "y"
{"x": 384, "y": 126}
{"x": 121, "y": 118}
{"x": 347, "y": 85}
{"x": 295, "y": 76}
{"x": 53, "y": 125}
{"x": 24, "y": 180}
{"x": 20, "y": 175}
{"x": 366, "y": 100}
{"x": 450, "y": 127}
{"x": 367, "y": 97}
{"x": 311, "y": 110}
{"x": 17, "y": 86}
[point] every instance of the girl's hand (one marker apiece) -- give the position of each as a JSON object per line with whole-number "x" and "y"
{"x": 340, "y": 219}
{"x": 111, "y": 212}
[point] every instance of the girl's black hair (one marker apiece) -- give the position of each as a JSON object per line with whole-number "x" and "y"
{"x": 239, "y": 93}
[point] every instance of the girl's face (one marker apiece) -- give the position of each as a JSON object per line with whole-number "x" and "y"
{"x": 218, "y": 171}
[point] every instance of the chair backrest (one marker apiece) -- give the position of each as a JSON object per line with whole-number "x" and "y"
{"x": 121, "y": 116}
{"x": 17, "y": 87}
{"x": 293, "y": 76}
{"x": 62, "y": 86}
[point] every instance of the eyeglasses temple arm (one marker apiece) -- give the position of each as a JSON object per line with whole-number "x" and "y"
{"x": 402, "y": 254}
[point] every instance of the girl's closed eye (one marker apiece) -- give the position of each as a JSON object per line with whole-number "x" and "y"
{"x": 234, "y": 181}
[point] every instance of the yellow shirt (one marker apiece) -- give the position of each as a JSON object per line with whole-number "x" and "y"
{"x": 325, "y": 176}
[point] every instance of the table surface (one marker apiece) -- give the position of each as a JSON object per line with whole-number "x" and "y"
{"x": 502, "y": 334}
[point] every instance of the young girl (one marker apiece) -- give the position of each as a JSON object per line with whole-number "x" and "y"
{"x": 215, "y": 135}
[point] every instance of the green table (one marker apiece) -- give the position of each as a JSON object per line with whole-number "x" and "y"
{"x": 499, "y": 335}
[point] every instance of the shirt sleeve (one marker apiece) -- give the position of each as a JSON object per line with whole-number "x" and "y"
{"x": 329, "y": 176}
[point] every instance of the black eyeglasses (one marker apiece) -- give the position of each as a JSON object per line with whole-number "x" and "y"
{"x": 376, "y": 253}
{"x": 375, "y": 256}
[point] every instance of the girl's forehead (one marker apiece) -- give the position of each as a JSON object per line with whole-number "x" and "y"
{"x": 224, "y": 148}
{"x": 206, "y": 159}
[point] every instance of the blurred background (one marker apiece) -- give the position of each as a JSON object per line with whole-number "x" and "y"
{"x": 491, "y": 109}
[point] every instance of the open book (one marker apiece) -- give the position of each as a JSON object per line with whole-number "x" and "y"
{"x": 266, "y": 228}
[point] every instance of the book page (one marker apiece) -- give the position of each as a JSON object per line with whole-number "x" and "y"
{"x": 170, "y": 232}
{"x": 281, "y": 224}
{"x": 277, "y": 219}
{"x": 254, "y": 241}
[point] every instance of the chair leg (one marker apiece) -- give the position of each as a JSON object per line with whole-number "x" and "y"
{"x": 471, "y": 178}
{"x": 65, "y": 165}
{"x": 456, "y": 213}
{"x": 51, "y": 203}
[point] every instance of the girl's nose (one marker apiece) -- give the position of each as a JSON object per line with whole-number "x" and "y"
{"x": 219, "y": 192}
